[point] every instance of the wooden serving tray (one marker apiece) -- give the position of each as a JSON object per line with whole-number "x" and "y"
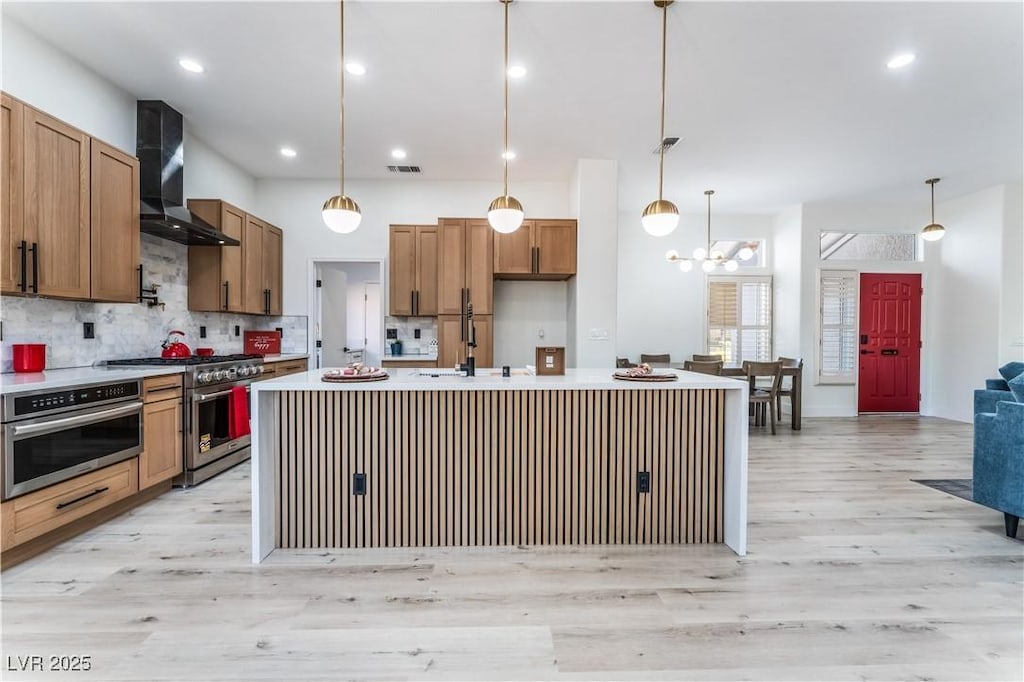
{"x": 355, "y": 379}
{"x": 645, "y": 377}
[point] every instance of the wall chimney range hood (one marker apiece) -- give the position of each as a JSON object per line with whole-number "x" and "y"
{"x": 161, "y": 165}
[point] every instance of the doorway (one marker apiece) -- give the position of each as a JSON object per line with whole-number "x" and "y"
{"x": 889, "y": 375}
{"x": 346, "y": 319}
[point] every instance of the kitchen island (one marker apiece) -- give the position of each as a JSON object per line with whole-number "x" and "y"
{"x": 489, "y": 460}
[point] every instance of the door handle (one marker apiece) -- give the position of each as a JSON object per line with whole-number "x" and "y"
{"x": 227, "y": 298}
{"x": 867, "y": 352}
{"x": 35, "y": 267}
{"x": 53, "y": 425}
{"x": 23, "y": 286}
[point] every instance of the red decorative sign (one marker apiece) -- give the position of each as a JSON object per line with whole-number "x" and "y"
{"x": 263, "y": 343}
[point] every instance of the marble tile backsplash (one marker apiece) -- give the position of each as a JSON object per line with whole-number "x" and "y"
{"x": 405, "y": 328}
{"x": 128, "y": 330}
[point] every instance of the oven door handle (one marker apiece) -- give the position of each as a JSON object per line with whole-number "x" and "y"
{"x": 202, "y": 398}
{"x": 80, "y": 420}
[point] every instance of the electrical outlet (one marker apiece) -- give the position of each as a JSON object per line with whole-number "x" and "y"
{"x": 238, "y": 330}
{"x": 415, "y": 333}
{"x": 202, "y": 331}
{"x": 358, "y": 484}
{"x": 280, "y": 331}
{"x": 88, "y": 330}
{"x": 643, "y": 481}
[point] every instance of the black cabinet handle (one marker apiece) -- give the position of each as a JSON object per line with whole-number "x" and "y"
{"x": 35, "y": 267}
{"x": 226, "y": 296}
{"x": 140, "y": 283}
{"x": 462, "y": 310}
{"x": 266, "y": 301}
{"x": 24, "y": 265}
{"x": 412, "y": 302}
{"x": 416, "y": 303}
{"x": 83, "y": 497}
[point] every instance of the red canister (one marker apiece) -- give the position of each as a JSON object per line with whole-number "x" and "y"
{"x": 29, "y": 357}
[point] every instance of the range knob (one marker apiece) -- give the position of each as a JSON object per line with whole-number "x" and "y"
{"x": 260, "y": 369}
{"x": 244, "y": 371}
{"x": 218, "y": 375}
{"x": 204, "y": 377}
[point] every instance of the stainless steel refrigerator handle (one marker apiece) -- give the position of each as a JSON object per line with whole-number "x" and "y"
{"x": 58, "y": 424}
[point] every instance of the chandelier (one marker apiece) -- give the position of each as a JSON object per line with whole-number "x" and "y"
{"x": 710, "y": 257}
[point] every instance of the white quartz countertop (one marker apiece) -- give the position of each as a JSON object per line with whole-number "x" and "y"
{"x": 411, "y": 357}
{"x": 63, "y": 378}
{"x": 490, "y": 379}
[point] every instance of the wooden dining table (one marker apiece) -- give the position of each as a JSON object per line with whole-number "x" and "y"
{"x": 797, "y": 374}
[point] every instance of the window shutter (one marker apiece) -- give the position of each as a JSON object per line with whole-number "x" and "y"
{"x": 837, "y": 326}
{"x": 740, "y": 318}
{"x": 722, "y": 304}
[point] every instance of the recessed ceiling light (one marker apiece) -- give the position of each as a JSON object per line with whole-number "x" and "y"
{"x": 517, "y": 71}
{"x": 191, "y": 65}
{"x": 900, "y": 60}
{"x": 355, "y": 68}
{"x": 398, "y": 154}
{"x": 508, "y": 155}
{"x": 288, "y": 152}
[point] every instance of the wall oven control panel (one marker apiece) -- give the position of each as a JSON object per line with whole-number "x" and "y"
{"x": 57, "y": 401}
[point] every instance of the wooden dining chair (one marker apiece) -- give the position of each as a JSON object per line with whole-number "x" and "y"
{"x": 659, "y": 359}
{"x": 763, "y": 398}
{"x": 787, "y": 389}
{"x": 623, "y": 363}
{"x": 703, "y": 367}
{"x": 706, "y": 358}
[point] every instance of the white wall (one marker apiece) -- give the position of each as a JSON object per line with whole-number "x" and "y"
{"x": 786, "y": 258}
{"x": 1011, "y": 327}
{"x": 522, "y": 310}
{"x": 593, "y": 296}
{"x": 50, "y": 80}
{"x": 208, "y": 175}
{"x": 964, "y": 317}
{"x": 294, "y": 206}
{"x": 660, "y": 308}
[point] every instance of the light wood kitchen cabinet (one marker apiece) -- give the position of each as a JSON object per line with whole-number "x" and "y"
{"x": 114, "y": 234}
{"x": 540, "y": 249}
{"x": 161, "y": 457}
{"x": 215, "y": 273}
{"x": 253, "y": 300}
{"x": 14, "y": 245}
{"x": 281, "y": 368}
{"x": 412, "y": 270}
{"x": 466, "y": 266}
{"x": 453, "y": 337}
{"x": 56, "y": 206}
{"x": 272, "y": 268}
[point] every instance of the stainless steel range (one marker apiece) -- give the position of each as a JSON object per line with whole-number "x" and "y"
{"x": 210, "y": 446}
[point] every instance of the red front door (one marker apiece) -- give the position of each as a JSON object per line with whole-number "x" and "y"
{"x": 890, "y": 343}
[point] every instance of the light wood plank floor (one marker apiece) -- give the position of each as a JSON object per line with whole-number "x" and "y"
{"x": 854, "y": 572}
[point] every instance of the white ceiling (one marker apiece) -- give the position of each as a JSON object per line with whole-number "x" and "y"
{"x": 778, "y": 103}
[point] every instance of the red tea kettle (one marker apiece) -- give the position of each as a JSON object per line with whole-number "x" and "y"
{"x": 175, "y": 349}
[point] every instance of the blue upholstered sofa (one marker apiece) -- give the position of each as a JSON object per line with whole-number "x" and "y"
{"x": 999, "y": 445}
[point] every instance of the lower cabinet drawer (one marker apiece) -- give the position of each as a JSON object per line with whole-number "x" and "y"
{"x": 39, "y": 512}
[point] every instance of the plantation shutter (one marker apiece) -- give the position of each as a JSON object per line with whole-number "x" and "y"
{"x": 837, "y": 326}
{"x": 740, "y": 318}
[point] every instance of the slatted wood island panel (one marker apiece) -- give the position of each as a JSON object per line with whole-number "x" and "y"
{"x": 492, "y": 461}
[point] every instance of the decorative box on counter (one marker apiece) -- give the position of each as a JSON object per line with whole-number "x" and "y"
{"x": 262, "y": 343}
{"x": 550, "y": 360}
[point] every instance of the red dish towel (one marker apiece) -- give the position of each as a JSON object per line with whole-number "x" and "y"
{"x": 238, "y": 412}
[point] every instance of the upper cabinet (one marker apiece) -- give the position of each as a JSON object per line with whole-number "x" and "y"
{"x": 115, "y": 224}
{"x": 539, "y": 249}
{"x": 236, "y": 279}
{"x": 215, "y": 273}
{"x": 412, "y": 270}
{"x": 466, "y": 271}
{"x": 70, "y": 210}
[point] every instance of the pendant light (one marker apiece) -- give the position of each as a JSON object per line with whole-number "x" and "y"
{"x": 341, "y": 213}
{"x": 709, "y": 260}
{"x": 505, "y": 213}
{"x": 661, "y": 216}
{"x": 933, "y": 232}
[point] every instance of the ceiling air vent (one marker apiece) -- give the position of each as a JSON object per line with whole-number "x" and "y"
{"x": 666, "y": 145}
{"x": 404, "y": 169}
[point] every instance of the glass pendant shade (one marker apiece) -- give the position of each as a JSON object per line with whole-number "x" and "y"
{"x": 341, "y": 214}
{"x": 671, "y": 255}
{"x": 731, "y": 266}
{"x": 686, "y": 265}
{"x": 505, "y": 214}
{"x": 708, "y": 266}
{"x": 746, "y": 253}
{"x": 700, "y": 253}
{"x": 660, "y": 218}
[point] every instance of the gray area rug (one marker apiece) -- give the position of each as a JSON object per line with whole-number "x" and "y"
{"x": 959, "y": 487}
